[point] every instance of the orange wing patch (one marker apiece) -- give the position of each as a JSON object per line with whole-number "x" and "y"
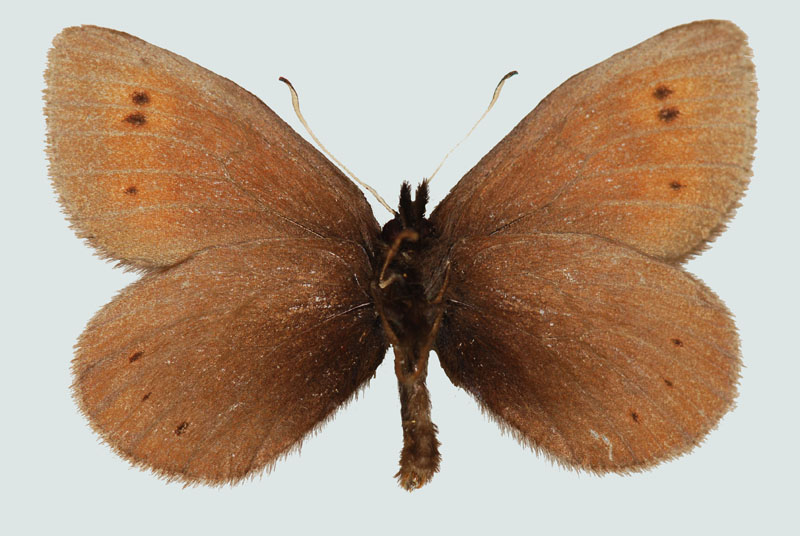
{"x": 156, "y": 158}
{"x": 651, "y": 148}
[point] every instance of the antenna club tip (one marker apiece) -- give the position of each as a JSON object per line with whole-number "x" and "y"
{"x": 509, "y": 75}
{"x": 285, "y": 81}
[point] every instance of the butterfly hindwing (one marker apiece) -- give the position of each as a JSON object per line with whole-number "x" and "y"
{"x": 209, "y": 371}
{"x": 602, "y": 357}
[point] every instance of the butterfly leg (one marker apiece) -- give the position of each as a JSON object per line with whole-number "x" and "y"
{"x": 405, "y": 234}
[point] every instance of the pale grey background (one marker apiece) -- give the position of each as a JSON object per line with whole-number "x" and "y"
{"x": 390, "y": 90}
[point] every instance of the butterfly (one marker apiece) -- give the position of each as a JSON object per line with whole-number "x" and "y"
{"x": 548, "y": 281}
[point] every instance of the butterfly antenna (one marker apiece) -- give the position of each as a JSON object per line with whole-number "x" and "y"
{"x": 296, "y": 106}
{"x": 495, "y": 96}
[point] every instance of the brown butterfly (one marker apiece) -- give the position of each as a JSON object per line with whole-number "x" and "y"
{"x": 548, "y": 281}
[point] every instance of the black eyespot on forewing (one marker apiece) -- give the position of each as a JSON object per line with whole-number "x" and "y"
{"x": 140, "y": 98}
{"x": 668, "y": 114}
{"x": 136, "y": 118}
{"x": 662, "y": 92}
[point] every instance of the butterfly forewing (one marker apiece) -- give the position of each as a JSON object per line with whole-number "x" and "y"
{"x": 209, "y": 371}
{"x": 651, "y": 148}
{"x": 599, "y": 355}
{"x": 155, "y": 158}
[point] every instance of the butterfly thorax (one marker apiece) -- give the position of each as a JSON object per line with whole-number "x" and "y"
{"x": 398, "y": 282}
{"x": 410, "y": 312}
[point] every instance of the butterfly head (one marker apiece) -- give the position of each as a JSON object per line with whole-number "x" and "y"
{"x": 410, "y": 214}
